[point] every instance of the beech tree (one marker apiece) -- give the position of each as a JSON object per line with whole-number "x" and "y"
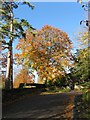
{"x": 81, "y": 69}
{"x": 48, "y": 52}
{"x": 10, "y": 29}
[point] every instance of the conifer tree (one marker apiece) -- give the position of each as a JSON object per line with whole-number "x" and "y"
{"x": 10, "y": 29}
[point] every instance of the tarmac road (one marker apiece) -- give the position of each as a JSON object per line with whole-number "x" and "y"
{"x": 40, "y": 106}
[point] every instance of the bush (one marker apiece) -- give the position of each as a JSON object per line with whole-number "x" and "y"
{"x": 86, "y": 95}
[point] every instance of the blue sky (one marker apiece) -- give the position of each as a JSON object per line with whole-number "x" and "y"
{"x": 63, "y": 15}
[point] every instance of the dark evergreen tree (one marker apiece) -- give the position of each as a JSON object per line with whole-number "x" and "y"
{"x": 10, "y": 29}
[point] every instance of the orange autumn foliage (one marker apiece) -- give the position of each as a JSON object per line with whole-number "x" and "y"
{"x": 23, "y": 77}
{"x": 48, "y": 52}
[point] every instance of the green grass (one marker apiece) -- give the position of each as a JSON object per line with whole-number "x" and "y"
{"x": 53, "y": 90}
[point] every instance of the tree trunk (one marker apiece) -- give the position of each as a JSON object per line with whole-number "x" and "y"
{"x": 7, "y": 82}
{"x": 9, "y": 71}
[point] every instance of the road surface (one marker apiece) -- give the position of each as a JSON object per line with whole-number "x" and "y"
{"x": 49, "y": 106}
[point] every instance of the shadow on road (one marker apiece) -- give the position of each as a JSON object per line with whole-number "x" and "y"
{"x": 39, "y": 107}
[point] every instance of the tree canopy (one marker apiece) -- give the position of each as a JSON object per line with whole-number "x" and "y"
{"x": 48, "y": 52}
{"x": 23, "y": 77}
